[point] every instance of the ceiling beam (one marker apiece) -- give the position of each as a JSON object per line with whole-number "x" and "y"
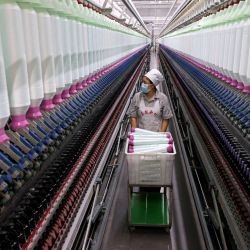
{"x": 130, "y": 6}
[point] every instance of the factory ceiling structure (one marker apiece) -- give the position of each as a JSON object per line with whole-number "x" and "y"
{"x": 154, "y": 14}
{"x": 160, "y": 17}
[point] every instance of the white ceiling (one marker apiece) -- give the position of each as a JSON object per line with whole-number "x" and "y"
{"x": 154, "y": 13}
{"x": 158, "y": 17}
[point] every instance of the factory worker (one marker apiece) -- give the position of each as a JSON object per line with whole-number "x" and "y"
{"x": 150, "y": 108}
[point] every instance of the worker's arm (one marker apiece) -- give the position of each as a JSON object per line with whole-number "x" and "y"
{"x": 133, "y": 110}
{"x": 133, "y": 121}
{"x": 164, "y": 125}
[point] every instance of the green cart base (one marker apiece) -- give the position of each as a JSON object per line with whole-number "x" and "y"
{"x": 149, "y": 209}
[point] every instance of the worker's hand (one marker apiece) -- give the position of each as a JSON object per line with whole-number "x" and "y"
{"x": 164, "y": 125}
{"x": 133, "y": 122}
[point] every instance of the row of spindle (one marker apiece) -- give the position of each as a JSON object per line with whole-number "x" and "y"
{"x": 49, "y": 50}
{"x": 219, "y": 43}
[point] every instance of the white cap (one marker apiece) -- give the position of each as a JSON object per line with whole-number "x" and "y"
{"x": 155, "y": 76}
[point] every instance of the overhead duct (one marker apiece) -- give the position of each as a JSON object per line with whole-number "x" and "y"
{"x": 133, "y": 10}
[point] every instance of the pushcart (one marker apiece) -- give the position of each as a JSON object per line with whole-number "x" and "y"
{"x": 146, "y": 207}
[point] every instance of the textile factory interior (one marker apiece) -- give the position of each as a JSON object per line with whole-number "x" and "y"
{"x": 76, "y": 173}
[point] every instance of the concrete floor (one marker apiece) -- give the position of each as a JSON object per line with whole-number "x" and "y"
{"x": 154, "y": 60}
{"x": 117, "y": 235}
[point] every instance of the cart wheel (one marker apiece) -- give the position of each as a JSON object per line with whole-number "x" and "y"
{"x": 131, "y": 229}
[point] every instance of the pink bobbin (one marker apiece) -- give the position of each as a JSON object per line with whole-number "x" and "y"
{"x": 72, "y": 89}
{"x": 229, "y": 80}
{"x": 170, "y": 149}
{"x": 47, "y": 105}
{"x": 57, "y": 99}
{"x": 3, "y": 137}
{"x": 234, "y": 83}
{"x": 66, "y": 94}
{"x": 240, "y": 85}
{"x": 246, "y": 89}
{"x": 34, "y": 113}
{"x": 18, "y": 122}
{"x": 79, "y": 86}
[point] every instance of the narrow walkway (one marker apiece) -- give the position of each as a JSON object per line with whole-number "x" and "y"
{"x": 154, "y": 62}
{"x": 117, "y": 235}
{"x": 186, "y": 232}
